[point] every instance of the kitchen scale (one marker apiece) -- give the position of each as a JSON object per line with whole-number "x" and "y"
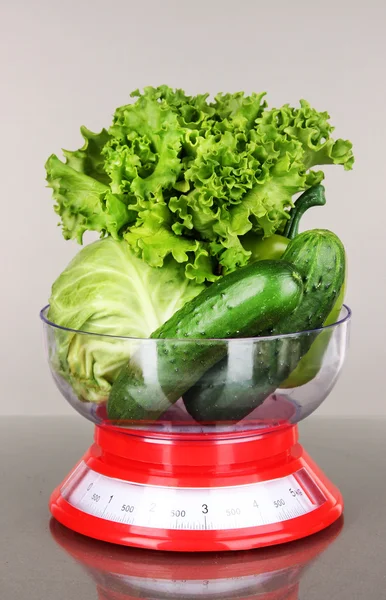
{"x": 175, "y": 484}
{"x": 127, "y": 574}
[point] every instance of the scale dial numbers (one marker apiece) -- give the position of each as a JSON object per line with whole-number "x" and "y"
{"x": 220, "y": 508}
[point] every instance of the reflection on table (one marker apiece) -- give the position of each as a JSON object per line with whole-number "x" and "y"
{"x": 122, "y": 573}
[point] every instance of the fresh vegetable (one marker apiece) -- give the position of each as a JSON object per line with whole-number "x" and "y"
{"x": 315, "y": 196}
{"x": 320, "y": 258}
{"x": 181, "y": 188}
{"x": 275, "y": 245}
{"x": 311, "y": 363}
{"x": 246, "y": 302}
{"x": 237, "y": 384}
{"x": 106, "y": 289}
{"x": 271, "y": 248}
{"x": 184, "y": 177}
{"x": 274, "y": 248}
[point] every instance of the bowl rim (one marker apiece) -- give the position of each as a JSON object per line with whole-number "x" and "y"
{"x": 345, "y": 319}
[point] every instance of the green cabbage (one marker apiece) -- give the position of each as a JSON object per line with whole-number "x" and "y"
{"x": 107, "y": 290}
{"x": 179, "y": 176}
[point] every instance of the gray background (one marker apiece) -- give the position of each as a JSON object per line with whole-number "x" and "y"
{"x": 64, "y": 64}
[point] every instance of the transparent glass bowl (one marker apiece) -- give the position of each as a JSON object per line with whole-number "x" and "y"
{"x": 185, "y": 385}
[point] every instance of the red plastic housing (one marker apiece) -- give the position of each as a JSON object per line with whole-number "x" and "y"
{"x": 198, "y": 460}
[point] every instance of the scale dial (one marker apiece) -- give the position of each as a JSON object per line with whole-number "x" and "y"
{"x": 216, "y": 508}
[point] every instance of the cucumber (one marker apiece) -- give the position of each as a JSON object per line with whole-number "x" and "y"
{"x": 228, "y": 394}
{"x": 245, "y": 302}
{"x": 320, "y": 257}
{"x": 235, "y": 386}
{"x": 312, "y": 361}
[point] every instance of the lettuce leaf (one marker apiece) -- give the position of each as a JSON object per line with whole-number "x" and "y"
{"x": 83, "y": 202}
{"x": 144, "y": 148}
{"x": 182, "y": 177}
{"x": 89, "y": 159}
{"x": 313, "y": 130}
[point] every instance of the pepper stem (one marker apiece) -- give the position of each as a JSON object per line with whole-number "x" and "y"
{"x": 314, "y": 196}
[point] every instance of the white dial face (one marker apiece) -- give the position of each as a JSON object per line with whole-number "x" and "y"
{"x": 219, "y": 508}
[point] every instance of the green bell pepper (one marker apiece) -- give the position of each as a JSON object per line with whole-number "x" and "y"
{"x": 273, "y": 248}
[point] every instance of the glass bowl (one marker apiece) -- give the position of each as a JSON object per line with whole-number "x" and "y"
{"x": 196, "y": 386}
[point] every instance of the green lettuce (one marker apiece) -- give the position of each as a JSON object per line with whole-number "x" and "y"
{"x": 184, "y": 178}
{"x": 107, "y": 291}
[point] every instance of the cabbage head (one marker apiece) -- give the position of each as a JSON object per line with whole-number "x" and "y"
{"x": 107, "y": 291}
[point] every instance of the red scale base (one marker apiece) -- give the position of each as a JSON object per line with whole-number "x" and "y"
{"x": 201, "y": 461}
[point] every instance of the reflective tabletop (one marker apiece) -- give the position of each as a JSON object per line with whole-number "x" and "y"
{"x": 40, "y": 559}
